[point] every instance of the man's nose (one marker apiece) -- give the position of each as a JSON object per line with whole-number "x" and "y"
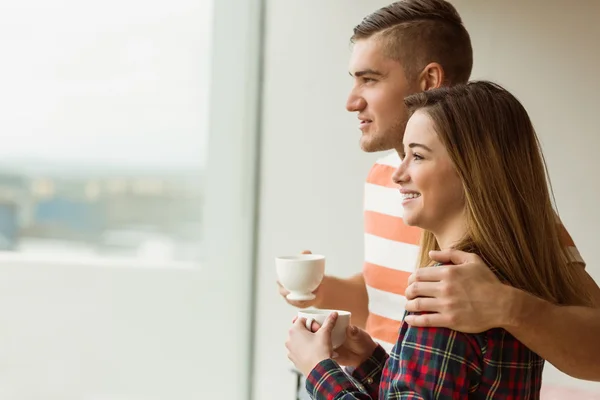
{"x": 355, "y": 103}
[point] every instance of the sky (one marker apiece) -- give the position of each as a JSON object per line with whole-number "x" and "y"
{"x": 115, "y": 83}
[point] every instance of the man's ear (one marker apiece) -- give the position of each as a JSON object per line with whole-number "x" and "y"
{"x": 431, "y": 77}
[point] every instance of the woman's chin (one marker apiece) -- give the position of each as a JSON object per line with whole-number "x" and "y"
{"x": 409, "y": 219}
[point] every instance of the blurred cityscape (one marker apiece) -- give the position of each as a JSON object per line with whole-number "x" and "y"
{"x": 140, "y": 214}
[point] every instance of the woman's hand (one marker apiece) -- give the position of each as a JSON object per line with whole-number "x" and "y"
{"x": 305, "y": 348}
{"x": 357, "y": 348}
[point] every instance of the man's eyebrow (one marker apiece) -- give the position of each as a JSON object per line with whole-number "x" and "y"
{"x": 364, "y": 72}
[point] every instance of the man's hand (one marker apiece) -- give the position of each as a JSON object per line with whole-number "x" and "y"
{"x": 301, "y": 303}
{"x": 468, "y": 297}
{"x": 465, "y": 296}
{"x": 304, "y": 303}
{"x": 334, "y": 293}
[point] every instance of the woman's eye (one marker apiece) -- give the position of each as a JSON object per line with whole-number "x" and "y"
{"x": 417, "y": 156}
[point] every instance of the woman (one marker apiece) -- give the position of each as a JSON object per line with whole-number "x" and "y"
{"x": 473, "y": 177}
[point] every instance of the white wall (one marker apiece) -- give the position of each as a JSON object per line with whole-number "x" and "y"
{"x": 312, "y": 169}
{"x": 102, "y": 333}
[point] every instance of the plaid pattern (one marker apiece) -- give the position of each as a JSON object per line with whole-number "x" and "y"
{"x": 437, "y": 363}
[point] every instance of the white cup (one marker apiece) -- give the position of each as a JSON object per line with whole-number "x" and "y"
{"x": 338, "y": 335}
{"x": 300, "y": 274}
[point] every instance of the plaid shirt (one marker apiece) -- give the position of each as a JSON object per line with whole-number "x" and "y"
{"x": 436, "y": 363}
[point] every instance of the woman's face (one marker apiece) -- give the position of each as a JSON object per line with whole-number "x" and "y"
{"x": 432, "y": 192}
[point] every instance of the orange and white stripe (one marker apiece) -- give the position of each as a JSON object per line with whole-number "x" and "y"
{"x": 391, "y": 251}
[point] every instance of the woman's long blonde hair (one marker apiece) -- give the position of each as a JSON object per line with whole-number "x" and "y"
{"x": 511, "y": 223}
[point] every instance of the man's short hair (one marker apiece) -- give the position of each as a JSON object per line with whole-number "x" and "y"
{"x": 418, "y": 32}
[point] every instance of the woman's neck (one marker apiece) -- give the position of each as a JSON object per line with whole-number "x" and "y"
{"x": 447, "y": 238}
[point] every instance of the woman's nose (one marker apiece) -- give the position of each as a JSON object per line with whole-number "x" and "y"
{"x": 400, "y": 176}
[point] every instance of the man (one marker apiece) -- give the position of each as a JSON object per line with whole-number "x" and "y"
{"x": 404, "y": 48}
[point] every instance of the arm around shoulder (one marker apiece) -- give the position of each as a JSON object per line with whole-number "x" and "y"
{"x": 566, "y": 336}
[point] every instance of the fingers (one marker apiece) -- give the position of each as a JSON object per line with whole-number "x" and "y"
{"x": 427, "y": 275}
{"x": 315, "y": 326}
{"x": 297, "y": 303}
{"x": 450, "y": 256}
{"x": 424, "y": 304}
{"x": 427, "y": 320}
{"x": 282, "y": 291}
{"x": 422, "y": 289}
{"x": 300, "y": 304}
{"x": 351, "y": 331}
{"x": 296, "y": 322}
{"x": 329, "y": 324}
{"x": 306, "y": 252}
{"x": 299, "y": 323}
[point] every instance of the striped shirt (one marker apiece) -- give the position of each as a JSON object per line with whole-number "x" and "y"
{"x": 391, "y": 252}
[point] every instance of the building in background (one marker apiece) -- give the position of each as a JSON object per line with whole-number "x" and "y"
{"x": 139, "y": 214}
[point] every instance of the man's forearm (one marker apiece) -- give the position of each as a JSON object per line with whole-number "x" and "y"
{"x": 349, "y": 294}
{"x": 567, "y": 337}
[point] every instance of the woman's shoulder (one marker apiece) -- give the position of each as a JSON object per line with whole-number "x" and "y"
{"x": 501, "y": 346}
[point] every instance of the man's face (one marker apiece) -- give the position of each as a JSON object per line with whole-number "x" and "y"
{"x": 377, "y": 96}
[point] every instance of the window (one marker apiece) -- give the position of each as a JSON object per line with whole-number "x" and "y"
{"x": 128, "y": 142}
{"x": 104, "y": 127}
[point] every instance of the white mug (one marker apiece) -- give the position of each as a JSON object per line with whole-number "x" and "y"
{"x": 300, "y": 274}
{"x": 338, "y": 335}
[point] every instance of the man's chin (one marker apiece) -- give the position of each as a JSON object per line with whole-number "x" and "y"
{"x": 372, "y": 145}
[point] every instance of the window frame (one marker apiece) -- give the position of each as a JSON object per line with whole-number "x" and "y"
{"x": 231, "y": 188}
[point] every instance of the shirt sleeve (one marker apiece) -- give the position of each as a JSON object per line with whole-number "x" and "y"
{"x": 327, "y": 381}
{"x": 435, "y": 364}
{"x": 567, "y": 241}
